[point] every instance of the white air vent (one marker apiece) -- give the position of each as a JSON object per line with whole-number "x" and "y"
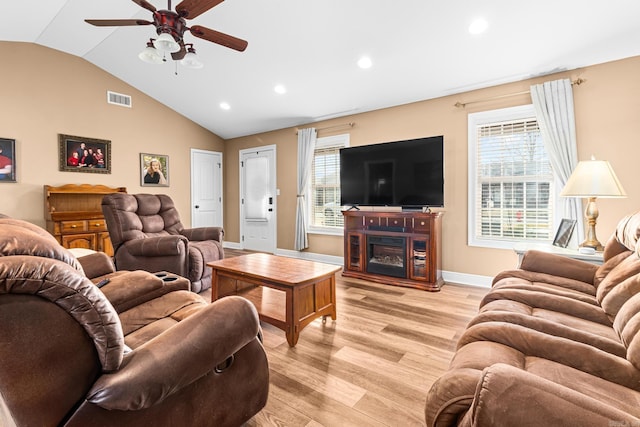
{"x": 118, "y": 99}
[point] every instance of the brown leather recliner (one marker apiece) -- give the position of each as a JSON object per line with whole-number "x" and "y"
{"x": 147, "y": 234}
{"x": 137, "y": 351}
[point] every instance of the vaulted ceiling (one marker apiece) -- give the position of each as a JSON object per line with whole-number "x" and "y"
{"x": 419, "y": 49}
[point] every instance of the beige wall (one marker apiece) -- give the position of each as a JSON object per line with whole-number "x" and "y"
{"x": 46, "y": 93}
{"x": 607, "y": 108}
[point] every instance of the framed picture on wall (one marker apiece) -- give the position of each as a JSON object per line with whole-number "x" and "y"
{"x": 565, "y": 230}
{"x": 81, "y": 154}
{"x": 154, "y": 170}
{"x": 7, "y": 160}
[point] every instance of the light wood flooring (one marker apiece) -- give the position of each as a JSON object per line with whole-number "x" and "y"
{"x": 374, "y": 364}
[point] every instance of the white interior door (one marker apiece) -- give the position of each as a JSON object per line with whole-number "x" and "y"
{"x": 206, "y": 188}
{"x": 258, "y": 199}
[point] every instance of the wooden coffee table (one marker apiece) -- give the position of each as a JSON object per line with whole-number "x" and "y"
{"x": 288, "y": 293}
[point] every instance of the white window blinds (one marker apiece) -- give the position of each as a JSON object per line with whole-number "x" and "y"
{"x": 513, "y": 182}
{"x": 326, "y": 210}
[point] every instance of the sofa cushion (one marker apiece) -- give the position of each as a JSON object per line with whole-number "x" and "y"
{"x": 158, "y": 214}
{"x": 611, "y": 293}
{"x": 166, "y": 306}
{"x": 627, "y": 325}
{"x": 544, "y": 281}
{"x": 22, "y": 238}
{"x": 557, "y": 324}
{"x": 546, "y": 263}
{"x": 609, "y": 265}
{"x": 545, "y": 301}
{"x": 484, "y": 344}
{"x": 628, "y": 231}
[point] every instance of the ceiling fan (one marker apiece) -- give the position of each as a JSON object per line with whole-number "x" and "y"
{"x": 171, "y": 26}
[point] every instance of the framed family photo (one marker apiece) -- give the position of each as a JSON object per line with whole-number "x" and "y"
{"x": 7, "y": 160}
{"x": 154, "y": 170}
{"x": 565, "y": 230}
{"x": 81, "y": 154}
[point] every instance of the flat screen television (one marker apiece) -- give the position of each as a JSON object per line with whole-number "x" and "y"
{"x": 407, "y": 173}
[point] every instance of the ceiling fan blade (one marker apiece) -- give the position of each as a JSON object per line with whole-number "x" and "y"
{"x": 189, "y": 9}
{"x": 116, "y": 22}
{"x": 219, "y": 38}
{"x": 145, "y": 4}
{"x": 177, "y": 56}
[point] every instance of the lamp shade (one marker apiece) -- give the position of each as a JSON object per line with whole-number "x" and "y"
{"x": 593, "y": 178}
{"x": 190, "y": 60}
{"x": 166, "y": 43}
{"x": 150, "y": 55}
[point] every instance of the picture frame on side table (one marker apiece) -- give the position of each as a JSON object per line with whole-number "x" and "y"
{"x": 154, "y": 170}
{"x": 8, "y": 160}
{"x": 565, "y": 230}
{"x": 81, "y": 154}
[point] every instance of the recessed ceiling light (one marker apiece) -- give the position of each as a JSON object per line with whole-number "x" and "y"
{"x": 365, "y": 62}
{"x": 280, "y": 89}
{"x": 225, "y": 106}
{"x": 478, "y": 26}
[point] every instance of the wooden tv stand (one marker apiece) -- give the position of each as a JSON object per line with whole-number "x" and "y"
{"x": 396, "y": 248}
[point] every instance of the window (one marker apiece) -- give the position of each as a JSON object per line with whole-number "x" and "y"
{"x": 511, "y": 184}
{"x": 325, "y": 212}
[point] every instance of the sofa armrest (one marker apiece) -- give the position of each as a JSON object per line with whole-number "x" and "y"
{"x": 558, "y": 265}
{"x": 178, "y": 357}
{"x": 157, "y": 246}
{"x": 508, "y": 396}
{"x": 96, "y": 264}
{"x": 203, "y": 233}
{"x": 128, "y": 289}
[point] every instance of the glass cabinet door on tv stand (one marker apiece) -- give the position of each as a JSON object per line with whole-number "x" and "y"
{"x": 354, "y": 253}
{"x": 418, "y": 264}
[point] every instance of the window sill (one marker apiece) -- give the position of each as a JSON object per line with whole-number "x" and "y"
{"x": 326, "y": 231}
{"x": 503, "y": 244}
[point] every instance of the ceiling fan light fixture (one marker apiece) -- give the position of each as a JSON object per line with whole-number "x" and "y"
{"x": 150, "y": 55}
{"x": 166, "y": 43}
{"x": 191, "y": 60}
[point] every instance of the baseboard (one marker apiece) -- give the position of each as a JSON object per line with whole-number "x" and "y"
{"x": 467, "y": 279}
{"x": 231, "y": 245}
{"x": 448, "y": 276}
{"x": 329, "y": 259}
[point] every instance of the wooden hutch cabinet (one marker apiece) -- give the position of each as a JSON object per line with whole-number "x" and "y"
{"x": 396, "y": 248}
{"x": 74, "y": 215}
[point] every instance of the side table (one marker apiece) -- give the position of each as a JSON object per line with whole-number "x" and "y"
{"x": 521, "y": 248}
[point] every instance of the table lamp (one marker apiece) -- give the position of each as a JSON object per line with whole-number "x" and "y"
{"x": 590, "y": 179}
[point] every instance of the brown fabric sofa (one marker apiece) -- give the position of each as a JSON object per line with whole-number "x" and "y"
{"x": 147, "y": 234}
{"x": 139, "y": 350}
{"x": 555, "y": 342}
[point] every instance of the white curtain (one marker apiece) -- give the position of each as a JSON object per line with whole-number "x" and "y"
{"x": 553, "y": 102}
{"x": 306, "y": 146}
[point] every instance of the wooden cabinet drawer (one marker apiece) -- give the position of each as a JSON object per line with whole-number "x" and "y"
{"x": 371, "y": 221}
{"x": 397, "y": 224}
{"x": 421, "y": 224}
{"x": 97, "y": 225}
{"x": 84, "y": 241}
{"x": 73, "y": 226}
